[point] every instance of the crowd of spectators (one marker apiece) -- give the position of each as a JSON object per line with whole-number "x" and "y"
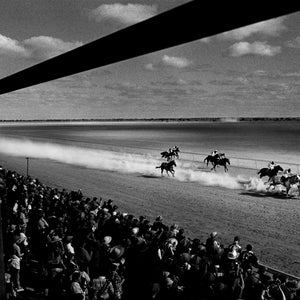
{"x": 59, "y": 244}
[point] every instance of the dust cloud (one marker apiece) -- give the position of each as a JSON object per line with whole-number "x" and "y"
{"x": 122, "y": 162}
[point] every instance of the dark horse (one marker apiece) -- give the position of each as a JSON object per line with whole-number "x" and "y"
{"x": 211, "y": 158}
{"x": 173, "y": 153}
{"x": 217, "y": 161}
{"x": 286, "y": 182}
{"x": 268, "y": 172}
{"x": 221, "y": 162}
{"x": 168, "y": 167}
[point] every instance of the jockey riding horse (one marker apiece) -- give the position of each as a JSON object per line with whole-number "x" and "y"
{"x": 169, "y": 155}
{"x": 168, "y": 167}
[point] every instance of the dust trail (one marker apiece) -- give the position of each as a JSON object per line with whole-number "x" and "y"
{"x": 115, "y": 161}
{"x": 253, "y": 184}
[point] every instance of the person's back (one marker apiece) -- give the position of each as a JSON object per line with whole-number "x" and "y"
{"x": 248, "y": 259}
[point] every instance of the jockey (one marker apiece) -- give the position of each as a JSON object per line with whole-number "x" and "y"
{"x": 286, "y": 174}
{"x": 170, "y": 155}
{"x": 222, "y": 155}
{"x": 271, "y": 165}
{"x": 214, "y": 153}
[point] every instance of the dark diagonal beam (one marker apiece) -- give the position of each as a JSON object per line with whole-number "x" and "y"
{"x": 183, "y": 24}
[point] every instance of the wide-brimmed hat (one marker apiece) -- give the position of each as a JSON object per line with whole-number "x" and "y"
{"x": 233, "y": 254}
{"x": 173, "y": 241}
{"x": 23, "y": 238}
{"x": 116, "y": 252}
{"x": 107, "y": 239}
{"x": 135, "y": 230}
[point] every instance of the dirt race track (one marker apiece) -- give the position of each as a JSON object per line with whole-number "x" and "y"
{"x": 269, "y": 222}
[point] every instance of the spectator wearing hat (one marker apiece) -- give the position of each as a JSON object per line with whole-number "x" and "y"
{"x": 15, "y": 262}
{"x": 213, "y": 247}
{"x": 235, "y": 245}
{"x": 231, "y": 264}
{"x": 168, "y": 290}
{"x": 76, "y": 290}
{"x": 116, "y": 277}
{"x": 248, "y": 259}
{"x": 158, "y": 224}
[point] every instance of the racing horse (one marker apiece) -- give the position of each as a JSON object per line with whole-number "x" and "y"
{"x": 216, "y": 160}
{"x": 286, "y": 182}
{"x": 168, "y": 167}
{"x": 173, "y": 153}
{"x": 210, "y": 159}
{"x": 268, "y": 172}
{"x": 220, "y": 162}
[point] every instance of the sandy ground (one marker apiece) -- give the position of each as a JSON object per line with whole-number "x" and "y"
{"x": 269, "y": 222}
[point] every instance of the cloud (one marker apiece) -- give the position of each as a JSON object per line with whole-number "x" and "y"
{"x": 43, "y": 47}
{"x": 294, "y": 43}
{"x": 39, "y": 47}
{"x": 270, "y": 28}
{"x": 256, "y": 48}
{"x": 12, "y": 47}
{"x": 125, "y": 14}
{"x": 177, "y": 62}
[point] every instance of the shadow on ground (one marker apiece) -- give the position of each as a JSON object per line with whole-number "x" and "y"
{"x": 267, "y": 195}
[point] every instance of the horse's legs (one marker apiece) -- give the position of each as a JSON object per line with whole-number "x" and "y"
{"x": 288, "y": 187}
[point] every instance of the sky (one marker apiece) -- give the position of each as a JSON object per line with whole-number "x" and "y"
{"x": 252, "y": 71}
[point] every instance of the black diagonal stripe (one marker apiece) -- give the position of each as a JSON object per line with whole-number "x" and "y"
{"x": 183, "y": 24}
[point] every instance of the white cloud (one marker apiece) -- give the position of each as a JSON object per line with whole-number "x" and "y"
{"x": 177, "y": 62}
{"x": 126, "y": 14}
{"x": 40, "y": 47}
{"x": 12, "y": 47}
{"x": 271, "y": 27}
{"x": 257, "y": 48}
{"x": 295, "y": 43}
{"x": 43, "y": 47}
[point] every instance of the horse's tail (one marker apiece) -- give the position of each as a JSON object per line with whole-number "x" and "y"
{"x": 205, "y": 159}
{"x": 158, "y": 167}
